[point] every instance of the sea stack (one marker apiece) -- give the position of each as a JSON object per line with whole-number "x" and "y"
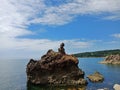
{"x": 112, "y": 59}
{"x": 55, "y": 68}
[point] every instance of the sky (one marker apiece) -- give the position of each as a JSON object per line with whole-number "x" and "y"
{"x": 29, "y": 28}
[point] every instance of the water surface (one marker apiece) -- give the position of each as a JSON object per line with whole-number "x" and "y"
{"x": 110, "y": 72}
{"x": 13, "y": 75}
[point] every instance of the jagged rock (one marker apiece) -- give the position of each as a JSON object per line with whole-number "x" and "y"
{"x": 56, "y": 68}
{"x": 116, "y": 87}
{"x": 96, "y": 77}
{"x": 111, "y": 59}
{"x": 61, "y": 49}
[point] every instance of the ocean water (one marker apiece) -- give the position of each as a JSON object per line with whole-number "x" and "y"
{"x": 110, "y": 72}
{"x": 13, "y": 75}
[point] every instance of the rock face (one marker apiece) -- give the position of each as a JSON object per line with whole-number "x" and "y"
{"x": 116, "y": 87}
{"x": 112, "y": 59}
{"x": 55, "y": 68}
{"x": 96, "y": 77}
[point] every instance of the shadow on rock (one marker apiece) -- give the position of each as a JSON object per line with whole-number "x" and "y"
{"x": 51, "y": 87}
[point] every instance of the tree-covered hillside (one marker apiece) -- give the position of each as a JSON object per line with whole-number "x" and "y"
{"x": 98, "y": 53}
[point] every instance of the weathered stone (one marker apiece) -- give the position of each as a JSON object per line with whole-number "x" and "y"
{"x": 116, "y": 87}
{"x": 61, "y": 49}
{"x": 96, "y": 77}
{"x": 55, "y": 68}
{"x": 111, "y": 59}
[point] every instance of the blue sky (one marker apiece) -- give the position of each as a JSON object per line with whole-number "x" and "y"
{"x": 81, "y": 27}
{"x": 29, "y": 28}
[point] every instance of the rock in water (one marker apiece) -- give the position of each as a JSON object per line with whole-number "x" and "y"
{"x": 96, "y": 77}
{"x": 56, "y": 68}
{"x": 111, "y": 59}
{"x": 116, "y": 87}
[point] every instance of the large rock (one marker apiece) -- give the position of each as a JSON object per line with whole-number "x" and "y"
{"x": 116, "y": 87}
{"x": 56, "y": 68}
{"x": 96, "y": 77}
{"x": 111, "y": 59}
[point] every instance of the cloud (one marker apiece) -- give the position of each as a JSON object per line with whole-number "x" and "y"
{"x": 117, "y": 35}
{"x": 40, "y": 44}
{"x": 12, "y": 23}
{"x": 25, "y": 12}
{"x": 64, "y": 13}
{"x": 17, "y": 15}
{"x": 27, "y": 48}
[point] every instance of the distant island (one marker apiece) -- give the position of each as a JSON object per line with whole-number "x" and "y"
{"x": 102, "y": 53}
{"x": 111, "y": 59}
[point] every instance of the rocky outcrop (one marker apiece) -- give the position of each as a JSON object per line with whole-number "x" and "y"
{"x": 116, "y": 87}
{"x": 96, "y": 77}
{"x": 111, "y": 59}
{"x": 55, "y": 68}
{"x": 61, "y": 49}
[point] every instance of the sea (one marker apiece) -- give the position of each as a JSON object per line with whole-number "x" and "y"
{"x": 13, "y": 75}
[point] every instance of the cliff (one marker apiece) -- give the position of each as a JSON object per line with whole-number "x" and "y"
{"x": 112, "y": 59}
{"x": 55, "y": 68}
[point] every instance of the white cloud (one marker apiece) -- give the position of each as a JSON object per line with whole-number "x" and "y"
{"x": 117, "y": 35}
{"x": 24, "y": 12}
{"x": 62, "y": 14}
{"x": 12, "y": 23}
{"x": 29, "y": 47}
{"x": 17, "y": 15}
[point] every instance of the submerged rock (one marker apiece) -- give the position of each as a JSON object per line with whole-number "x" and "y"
{"x": 96, "y": 77}
{"x": 56, "y": 68}
{"x": 111, "y": 59}
{"x": 116, "y": 87}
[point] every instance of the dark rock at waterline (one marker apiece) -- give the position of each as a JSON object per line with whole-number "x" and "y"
{"x": 52, "y": 87}
{"x": 55, "y": 68}
{"x": 96, "y": 77}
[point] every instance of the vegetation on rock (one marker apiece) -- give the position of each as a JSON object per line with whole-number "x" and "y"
{"x": 98, "y": 53}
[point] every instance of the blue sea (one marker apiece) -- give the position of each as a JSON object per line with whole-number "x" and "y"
{"x": 13, "y": 75}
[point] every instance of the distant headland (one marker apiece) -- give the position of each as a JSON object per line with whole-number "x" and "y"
{"x": 102, "y": 53}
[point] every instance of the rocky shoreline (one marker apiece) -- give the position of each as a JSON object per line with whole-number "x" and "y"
{"x": 61, "y": 69}
{"x": 55, "y": 68}
{"x": 111, "y": 59}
